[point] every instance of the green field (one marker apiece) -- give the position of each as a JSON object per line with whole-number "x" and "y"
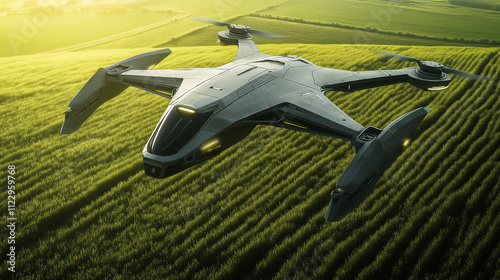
{"x": 311, "y": 33}
{"x": 87, "y": 211}
{"x": 144, "y": 23}
{"x": 53, "y": 34}
{"x": 160, "y": 23}
{"x": 436, "y": 19}
{"x": 493, "y": 5}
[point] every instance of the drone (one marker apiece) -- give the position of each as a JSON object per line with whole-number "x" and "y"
{"x": 211, "y": 109}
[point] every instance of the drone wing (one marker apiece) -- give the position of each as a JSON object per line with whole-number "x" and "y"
{"x": 332, "y": 79}
{"x": 293, "y": 106}
{"x": 110, "y": 81}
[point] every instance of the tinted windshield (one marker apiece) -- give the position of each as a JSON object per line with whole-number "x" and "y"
{"x": 175, "y": 131}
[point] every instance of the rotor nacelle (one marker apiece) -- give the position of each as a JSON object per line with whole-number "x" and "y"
{"x": 429, "y": 76}
{"x": 234, "y": 33}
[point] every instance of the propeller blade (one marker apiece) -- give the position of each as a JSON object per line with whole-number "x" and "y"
{"x": 398, "y": 56}
{"x": 252, "y": 31}
{"x": 465, "y": 74}
{"x": 211, "y": 21}
{"x": 265, "y": 34}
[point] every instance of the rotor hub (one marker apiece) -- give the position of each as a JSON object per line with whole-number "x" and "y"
{"x": 431, "y": 67}
{"x": 238, "y": 29}
{"x": 234, "y": 33}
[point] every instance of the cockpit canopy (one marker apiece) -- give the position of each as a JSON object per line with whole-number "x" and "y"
{"x": 178, "y": 126}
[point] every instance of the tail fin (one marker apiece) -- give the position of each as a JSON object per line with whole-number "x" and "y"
{"x": 100, "y": 89}
{"x": 370, "y": 162}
